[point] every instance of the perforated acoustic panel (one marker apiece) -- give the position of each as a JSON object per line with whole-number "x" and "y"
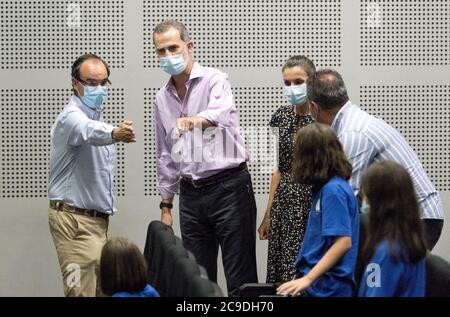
{"x": 27, "y": 116}
{"x": 114, "y": 114}
{"x": 255, "y": 106}
{"x": 255, "y": 33}
{"x": 150, "y": 176}
{"x": 398, "y": 33}
{"x": 422, "y": 115}
{"x": 52, "y": 34}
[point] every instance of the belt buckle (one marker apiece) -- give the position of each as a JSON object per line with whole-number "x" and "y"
{"x": 195, "y": 183}
{"x": 190, "y": 181}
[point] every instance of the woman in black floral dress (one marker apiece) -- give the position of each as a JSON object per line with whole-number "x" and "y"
{"x": 288, "y": 207}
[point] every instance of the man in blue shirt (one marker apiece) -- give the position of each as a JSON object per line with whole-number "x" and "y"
{"x": 82, "y": 163}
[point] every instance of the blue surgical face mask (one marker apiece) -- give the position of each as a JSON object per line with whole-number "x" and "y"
{"x": 173, "y": 65}
{"x": 365, "y": 208}
{"x": 296, "y": 94}
{"x": 94, "y": 96}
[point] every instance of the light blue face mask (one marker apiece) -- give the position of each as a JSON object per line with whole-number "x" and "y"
{"x": 296, "y": 94}
{"x": 365, "y": 208}
{"x": 173, "y": 65}
{"x": 94, "y": 96}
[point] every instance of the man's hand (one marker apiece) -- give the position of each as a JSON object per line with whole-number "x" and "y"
{"x": 185, "y": 124}
{"x": 166, "y": 216}
{"x": 124, "y": 132}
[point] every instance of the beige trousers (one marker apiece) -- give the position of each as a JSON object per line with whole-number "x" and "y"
{"x": 79, "y": 241}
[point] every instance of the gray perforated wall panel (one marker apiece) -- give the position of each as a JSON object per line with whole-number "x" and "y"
{"x": 394, "y": 56}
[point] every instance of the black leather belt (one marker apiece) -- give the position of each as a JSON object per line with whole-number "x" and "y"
{"x": 60, "y": 206}
{"x": 216, "y": 178}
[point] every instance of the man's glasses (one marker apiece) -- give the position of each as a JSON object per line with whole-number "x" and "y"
{"x": 92, "y": 83}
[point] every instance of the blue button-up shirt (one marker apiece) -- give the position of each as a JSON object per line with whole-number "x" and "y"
{"x": 82, "y": 159}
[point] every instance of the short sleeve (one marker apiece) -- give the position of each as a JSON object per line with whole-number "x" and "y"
{"x": 275, "y": 119}
{"x": 336, "y": 220}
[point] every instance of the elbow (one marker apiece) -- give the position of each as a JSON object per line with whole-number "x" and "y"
{"x": 345, "y": 243}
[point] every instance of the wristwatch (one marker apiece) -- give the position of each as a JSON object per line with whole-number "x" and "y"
{"x": 165, "y": 205}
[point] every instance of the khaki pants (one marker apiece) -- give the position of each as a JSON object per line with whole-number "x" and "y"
{"x": 79, "y": 241}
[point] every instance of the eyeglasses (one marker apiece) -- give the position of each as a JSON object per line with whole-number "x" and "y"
{"x": 92, "y": 83}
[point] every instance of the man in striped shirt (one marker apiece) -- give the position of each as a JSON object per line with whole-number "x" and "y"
{"x": 367, "y": 139}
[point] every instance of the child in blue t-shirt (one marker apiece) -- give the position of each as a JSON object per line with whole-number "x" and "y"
{"x": 123, "y": 270}
{"x": 326, "y": 261}
{"x": 395, "y": 249}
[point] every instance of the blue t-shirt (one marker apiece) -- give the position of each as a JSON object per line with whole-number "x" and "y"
{"x": 148, "y": 291}
{"x": 334, "y": 213}
{"x": 390, "y": 273}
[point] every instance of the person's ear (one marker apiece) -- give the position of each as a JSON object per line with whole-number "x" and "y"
{"x": 76, "y": 87}
{"x": 190, "y": 46}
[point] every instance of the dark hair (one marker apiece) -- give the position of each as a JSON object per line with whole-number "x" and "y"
{"x": 80, "y": 60}
{"x": 318, "y": 156}
{"x": 165, "y": 25}
{"x": 122, "y": 267}
{"x": 394, "y": 210}
{"x": 300, "y": 61}
{"x": 327, "y": 88}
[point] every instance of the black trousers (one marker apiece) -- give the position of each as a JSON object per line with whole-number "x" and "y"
{"x": 433, "y": 230}
{"x": 222, "y": 214}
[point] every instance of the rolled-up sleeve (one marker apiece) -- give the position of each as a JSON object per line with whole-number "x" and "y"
{"x": 166, "y": 169}
{"x": 80, "y": 129}
{"x": 220, "y": 103}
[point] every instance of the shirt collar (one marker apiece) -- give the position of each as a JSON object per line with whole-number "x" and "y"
{"x": 341, "y": 113}
{"x": 196, "y": 72}
{"x": 90, "y": 113}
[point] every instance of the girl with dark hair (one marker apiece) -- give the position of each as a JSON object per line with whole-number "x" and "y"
{"x": 287, "y": 210}
{"x": 123, "y": 270}
{"x": 395, "y": 248}
{"x": 326, "y": 262}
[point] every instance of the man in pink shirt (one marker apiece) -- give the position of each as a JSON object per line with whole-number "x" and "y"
{"x": 201, "y": 154}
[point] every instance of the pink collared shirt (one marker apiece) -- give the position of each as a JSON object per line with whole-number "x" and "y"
{"x": 197, "y": 154}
